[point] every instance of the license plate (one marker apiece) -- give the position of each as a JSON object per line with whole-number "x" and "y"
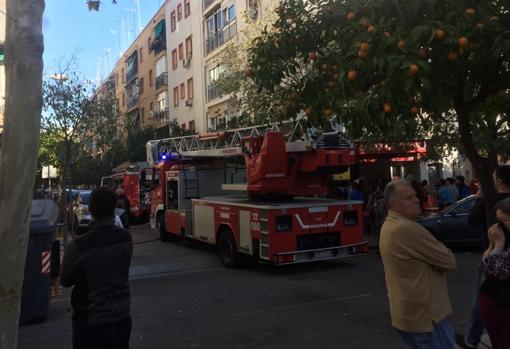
{"x": 323, "y": 254}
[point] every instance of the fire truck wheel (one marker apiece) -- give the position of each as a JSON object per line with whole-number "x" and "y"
{"x": 227, "y": 250}
{"x": 160, "y": 223}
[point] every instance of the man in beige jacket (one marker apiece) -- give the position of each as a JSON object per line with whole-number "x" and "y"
{"x": 415, "y": 266}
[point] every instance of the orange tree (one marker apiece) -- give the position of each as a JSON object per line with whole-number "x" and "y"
{"x": 391, "y": 70}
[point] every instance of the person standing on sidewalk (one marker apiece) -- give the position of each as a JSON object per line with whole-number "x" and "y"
{"x": 478, "y": 216}
{"x": 97, "y": 265}
{"x": 415, "y": 266}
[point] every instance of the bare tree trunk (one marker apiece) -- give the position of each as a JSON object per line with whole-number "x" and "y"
{"x": 18, "y": 154}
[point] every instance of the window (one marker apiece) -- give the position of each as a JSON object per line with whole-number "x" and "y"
{"x": 176, "y": 96}
{"x": 151, "y": 106}
{"x": 162, "y": 97}
{"x": 179, "y": 12}
{"x": 183, "y": 91}
{"x": 231, "y": 13}
{"x": 174, "y": 59}
{"x": 150, "y": 77}
{"x": 123, "y": 99}
{"x": 191, "y": 125}
{"x": 123, "y": 77}
{"x": 141, "y": 85}
{"x": 181, "y": 51}
{"x": 142, "y": 115}
{"x": 187, "y": 9}
{"x": 190, "y": 88}
{"x": 173, "y": 21}
{"x": 189, "y": 47}
{"x": 149, "y": 42}
{"x": 161, "y": 66}
{"x": 141, "y": 54}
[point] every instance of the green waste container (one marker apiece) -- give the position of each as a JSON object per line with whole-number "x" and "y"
{"x": 35, "y": 299}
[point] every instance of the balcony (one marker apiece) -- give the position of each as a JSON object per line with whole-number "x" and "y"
{"x": 132, "y": 101}
{"x": 161, "y": 80}
{"x": 162, "y": 116}
{"x": 213, "y": 92}
{"x": 130, "y": 75}
{"x": 221, "y": 37}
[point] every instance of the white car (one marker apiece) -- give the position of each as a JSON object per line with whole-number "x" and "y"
{"x": 81, "y": 212}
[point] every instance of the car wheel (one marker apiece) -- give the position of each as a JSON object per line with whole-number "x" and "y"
{"x": 227, "y": 250}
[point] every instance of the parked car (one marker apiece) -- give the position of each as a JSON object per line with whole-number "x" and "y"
{"x": 451, "y": 225}
{"x": 81, "y": 212}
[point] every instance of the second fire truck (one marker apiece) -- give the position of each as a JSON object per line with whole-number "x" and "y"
{"x": 255, "y": 191}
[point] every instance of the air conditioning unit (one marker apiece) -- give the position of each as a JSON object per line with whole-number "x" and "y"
{"x": 186, "y": 62}
{"x": 189, "y": 103}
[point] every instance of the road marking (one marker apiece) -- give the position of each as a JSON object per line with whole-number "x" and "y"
{"x": 299, "y": 305}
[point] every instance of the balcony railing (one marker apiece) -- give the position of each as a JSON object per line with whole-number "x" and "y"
{"x": 132, "y": 101}
{"x": 213, "y": 92}
{"x": 162, "y": 80}
{"x": 130, "y": 75}
{"x": 162, "y": 115}
{"x": 221, "y": 37}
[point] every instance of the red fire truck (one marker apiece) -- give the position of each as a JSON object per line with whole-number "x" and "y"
{"x": 136, "y": 180}
{"x": 276, "y": 175}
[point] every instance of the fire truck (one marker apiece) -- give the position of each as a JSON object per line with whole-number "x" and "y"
{"x": 136, "y": 181}
{"x": 256, "y": 191}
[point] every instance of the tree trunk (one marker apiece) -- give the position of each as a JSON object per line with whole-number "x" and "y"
{"x": 18, "y": 154}
{"x": 483, "y": 167}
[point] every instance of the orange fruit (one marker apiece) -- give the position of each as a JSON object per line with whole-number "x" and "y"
{"x": 362, "y": 54}
{"x": 387, "y": 108}
{"x": 365, "y": 22}
{"x": 422, "y": 53}
{"x": 401, "y": 44}
{"x": 324, "y": 67}
{"x": 335, "y": 68}
{"x": 463, "y": 41}
{"x": 387, "y": 34}
{"x": 352, "y": 75}
{"x": 371, "y": 29}
{"x": 413, "y": 69}
{"x": 439, "y": 34}
{"x": 470, "y": 11}
{"x": 494, "y": 18}
{"x": 414, "y": 110}
{"x": 351, "y": 16}
{"x": 328, "y": 112}
{"x": 312, "y": 56}
{"x": 480, "y": 25}
{"x": 364, "y": 46}
{"x": 452, "y": 56}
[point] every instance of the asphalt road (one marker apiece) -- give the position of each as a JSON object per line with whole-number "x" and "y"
{"x": 183, "y": 298}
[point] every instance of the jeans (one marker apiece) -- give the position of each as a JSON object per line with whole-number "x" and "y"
{"x": 476, "y": 326}
{"x": 441, "y": 337}
{"x": 112, "y": 335}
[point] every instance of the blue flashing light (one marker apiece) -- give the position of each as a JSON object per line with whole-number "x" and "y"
{"x": 164, "y": 156}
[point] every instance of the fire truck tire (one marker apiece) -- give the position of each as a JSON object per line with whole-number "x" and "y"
{"x": 227, "y": 250}
{"x": 160, "y": 223}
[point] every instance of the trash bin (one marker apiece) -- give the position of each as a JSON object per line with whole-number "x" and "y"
{"x": 35, "y": 299}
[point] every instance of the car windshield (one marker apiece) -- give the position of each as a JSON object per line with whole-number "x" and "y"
{"x": 84, "y": 198}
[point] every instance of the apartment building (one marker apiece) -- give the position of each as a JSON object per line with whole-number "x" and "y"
{"x": 172, "y": 69}
{"x": 185, "y": 65}
{"x": 141, "y": 77}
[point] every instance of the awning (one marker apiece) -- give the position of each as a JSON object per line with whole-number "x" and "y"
{"x": 159, "y": 30}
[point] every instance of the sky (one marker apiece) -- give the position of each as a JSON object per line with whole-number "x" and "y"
{"x": 95, "y": 37}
